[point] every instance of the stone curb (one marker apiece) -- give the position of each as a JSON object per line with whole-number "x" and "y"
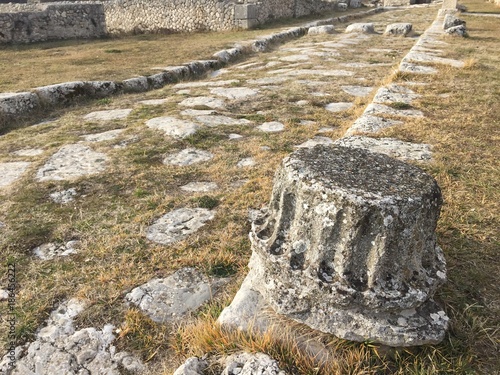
{"x": 52, "y": 96}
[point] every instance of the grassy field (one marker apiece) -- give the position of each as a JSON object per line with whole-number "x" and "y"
{"x": 114, "y": 208}
{"x": 39, "y": 64}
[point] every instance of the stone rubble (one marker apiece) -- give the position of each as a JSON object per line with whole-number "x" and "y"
{"x": 50, "y": 251}
{"x": 64, "y": 196}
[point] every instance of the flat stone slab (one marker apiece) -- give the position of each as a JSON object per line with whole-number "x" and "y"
{"x": 105, "y": 136}
{"x": 359, "y": 91}
{"x": 169, "y": 299}
{"x": 16, "y": 103}
{"x": 295, "y": 58}
{"x": 395, "y": 93}
{"x": 203, "y": 101}
{"x": 245, "y": 163}
{"x": 173, "y": 127}
{"x": 216, "y": 120}
{"x": 371, "y": 124}
{"x": 11, "y": 171}
{"x": 318, "y": 30}
{"x": 399, "y": 29}
{"x": 189, "y": 85}
{"x": 429, "y": 58}
{"x": 338, "y": 107}
{"x": 64, "y": 196}
{"x": 272, "y": 127}
{"x": 377, "y": 109}
{"x": 60, "y": 349}
{"x": 187, "y": 157}
{"x": 234, "y": 136}
{"x": 50, "y": 251}
{"x": 28, "y": 152}
{"x": 200, "y": 187}
{"x": 153, "y": 102}
{"x": 113, "y": 114}
{"x": 267, "y": 80}
{"x": 72, "y": 161}
{"x": 407, "y": 67}
{"x": 315, "y": 141}
{"x": 198, "y": 112}
{"x": 319, "y": 72}
{"x": 395, "y": 148}
{"x": 234, "y": 93}
{"x": 177, "y": 225}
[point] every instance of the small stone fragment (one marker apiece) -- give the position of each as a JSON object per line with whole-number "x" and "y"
{"x": 153, "y": 102}
{"x": 64, "y": 196}
{"x": 359, "y": 91}
{"x": 338, "y": 107}
{"x": 402, "y": 29}
{"x": 199, "y": 187}
{"x": 457, "y": 31}
{"x": 113, "y": 114}
{"x": 173, "y": 126}
{"x": 104, "y": 136}
{"x": 365, "y": 28}
{"x": 247, "y": 162}
{"x": 235, "y": 93}
{"x": 271, "y": 127}
{"x": 318, "y": 30}
{"x": 203, "y": 101}
{"x": 50, "y": 251}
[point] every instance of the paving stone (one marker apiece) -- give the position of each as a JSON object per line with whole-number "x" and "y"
{"x": 198, "y": 112}
{"x": 319, "y": 72}
{"x": 187, "y": 157}
{"x": 395, "y": 148}
{"x": 50, "y": 251}
{"x": 429, "y": 58}
{"x": 189, "y": 85}
{"x": 371, "y": 124}
{"x": 203, "y": 101}
{"x": 267, "y": 80}
{"x": 173, "y": 127}
{"x": 294, "y": 58}
{"x": 113, "y": 114}
{"x": 28, "y": 152}
{"x": 60, "y": 349}
{"x": 235, "y": 93}
{"x": 72, "y": 161}
{"x": 177, "y": 225}
{"x": 407, "y": 67}
{"x": 380, "y": 109}
{"x": 326, "y": 129}
{"x": 315, "y": 141}
{"x": 192, "y": 366}
{"x": 184, "y": 92}
{"x": 171, "y": 298}
{"x": 271, "y": 127}
{"x": 395, "y": 93}
{"x": 105, "y": 136}
{"x": 338, "y": 107}
{"x": 247, "y": 162}
{"x": 64, "y": 196}
{"x": 216, "y": 120}
{"x": 402, "y": 29}
{"x": 302, "y": 102}
{"x": 153, "y": 102}
{"x": 307, "y": 122}
{"x": 234, "y": 136}
{"x": 359, "y": 91}
{"x": 200, "y": 187}
{"x": 11, "y": 171}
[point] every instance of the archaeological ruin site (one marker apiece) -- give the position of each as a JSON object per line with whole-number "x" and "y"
{"x": 319, "y": 196}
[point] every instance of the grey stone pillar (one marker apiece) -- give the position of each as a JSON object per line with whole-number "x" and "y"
{"x": 348, "y": 247}
{"x": 245, "y": 15}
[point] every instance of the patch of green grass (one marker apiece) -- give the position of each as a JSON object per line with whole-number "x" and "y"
{"x": 399, "y": 105}
{"x": 206, "y": 201}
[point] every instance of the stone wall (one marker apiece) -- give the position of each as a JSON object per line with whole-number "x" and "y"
{"x": 36, "y": 23}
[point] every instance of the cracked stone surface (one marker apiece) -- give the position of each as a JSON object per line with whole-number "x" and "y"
{"x": 153, "y": 102}
{"x": 199, "y": 187}
{"x": 72, "y": 161}
{"x": 12, "y": 171}
{"x": 187, "y": 157}
{"x": 395, "y": 93}
{"x": 315, "y": 141}
{"x": 407, "y": 67}
{"x": 380, "y": 109}
{"x": 272, "y": 127}
{"x": 203, "y": 101}
{"x": 61, "y": 349}
{"x": 371, "y": 124}
{"x": 395, "y": 148}
{"x": 50, "y": 251}
{"x": 104, "y": 136}
{"x": 245, "y": 163}
{"x": 64, "y": 196}
{"x": 171, "y": 298}
{"x": 173, "y": 127}
{"x": 178, "y": 224}
{"x": 113, "y": 114}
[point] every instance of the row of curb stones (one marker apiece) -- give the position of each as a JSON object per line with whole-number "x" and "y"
{"x": 23, "y": 103}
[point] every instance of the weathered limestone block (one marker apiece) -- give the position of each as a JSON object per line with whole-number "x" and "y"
{"x": 450, "y": 21}
{"x": 398, "y": 29}
{"x": 348, "y": 247}
{"x": 18, "y": 103}
{"x": 137, "y": 84}
{"x": 459, "y": 30}
{"x": 316, "y": 30}
{"x": 365, "y": 28}
{"x": 61, "y": 93}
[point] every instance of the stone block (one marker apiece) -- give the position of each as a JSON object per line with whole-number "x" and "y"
{"x": 450, "y": 4}
{"x": 245, "y": 11}
{"x": 402, "y": 29}
{"x": 326, "y": 29}
{"x": 137, "y": 84}
{"x": 61, "y": 93}
{"x": 348, "y": 247}
{"x": 18, "y": 103}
